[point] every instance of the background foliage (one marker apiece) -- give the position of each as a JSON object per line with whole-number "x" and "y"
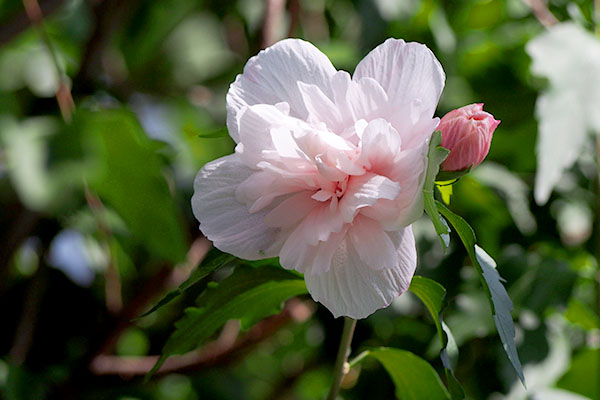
{"x": 97, "y": 225}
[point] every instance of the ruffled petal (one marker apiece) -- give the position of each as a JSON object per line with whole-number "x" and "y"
{"x": 271, "y": 77}
{"x": 409, "y": 170}
{"x": 226, "y": 221}
{"x": 352, "y": 288}
{"x": 364, "y": 191}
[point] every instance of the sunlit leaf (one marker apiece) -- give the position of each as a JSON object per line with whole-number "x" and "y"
{"x": 435, "y": 157}
{"x": 432, "y": 294}
{"x": 249, "y": 295}
{"x": 499, "y": 301}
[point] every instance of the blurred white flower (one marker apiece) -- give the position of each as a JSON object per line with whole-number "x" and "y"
{"x": 569, "y": 57}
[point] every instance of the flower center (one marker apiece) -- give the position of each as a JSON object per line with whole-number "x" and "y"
{"x": 340, "y": 187}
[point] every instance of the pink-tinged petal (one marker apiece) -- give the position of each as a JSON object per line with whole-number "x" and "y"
{"x": 357, "y": 98}
{"x": 372, "y": 243}
{"x": 363, "y": 191}
{"x": 307, "y": 258}
{"x": 320, "y": 107}
{"x": 379, "y": 146}
{"x": 354, "y": 289}
{"x": 226, "y": 221}
{"x": 271, "y": 77}
{"x": 256, "y": 123}
{"x": 409, "y": 171}
{"x": 290, "y": 211}
{"x": 406, "y": 72}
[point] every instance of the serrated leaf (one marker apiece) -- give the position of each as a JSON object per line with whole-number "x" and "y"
{"x": 214, "y": 260}
{"x": 498, "y": 297}
{"x": 414, "y": 378}
{"x": 249, "y": 295}
{"x": 435, "y": 156}
{"x": 432, "y": 294}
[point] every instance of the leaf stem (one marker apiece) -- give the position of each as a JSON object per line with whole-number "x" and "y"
{"x": 340, "y": 368}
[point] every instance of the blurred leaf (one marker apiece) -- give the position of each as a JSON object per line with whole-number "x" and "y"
{"x": 214, "y": 260}
{"x": 248, "y": 295}
{"x": 432, "y": 294}
{"x": 435, "y": 156}
{"x": 23, "y": 385}
{"x": 132, "y": 342}
{"x": 582, "y": 377}
{"x": 580, "y": 314}
{"x": 152, "y": 24}
{"x": 25, "y": 149}
{"x": 131, "y": 180}
{"x": 218, "y": 133}
{"x": 499, "y": 301}
{"x": 413, "y": 377}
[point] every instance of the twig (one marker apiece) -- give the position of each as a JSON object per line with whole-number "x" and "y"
{"x": 294, "y": 7}
{"x": 24, "y": 333}
{"x": 222, "y": 351}
{"x": 63, "y": 92}
{"x": 15, "y": 233}
{"x": 112, "y": 288}
{"x": 542, "y": 13}
{"x": 16, "y": 24}
{"x": 272, "y": 23}
{"x": 108, "y": 16}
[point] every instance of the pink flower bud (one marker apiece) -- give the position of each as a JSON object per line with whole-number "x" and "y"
{"x": 467, "y": 133}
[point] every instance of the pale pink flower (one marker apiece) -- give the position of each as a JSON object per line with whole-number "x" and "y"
{"x": 467, "y": 132}
{"x": 328, "y": 169}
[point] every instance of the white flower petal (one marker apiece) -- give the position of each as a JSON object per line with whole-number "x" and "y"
{"x": 409, "y": 171}
{"x": 372, "y": 243}
{"x": 352, "y": 288}
{"x": 226, "y": 221}
{"x": 406, "y": 71}
{"x": 271, "y": 77}
{"x": 364, "y": 191}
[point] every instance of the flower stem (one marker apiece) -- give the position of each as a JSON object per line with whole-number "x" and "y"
{"x": 342, "y": 357}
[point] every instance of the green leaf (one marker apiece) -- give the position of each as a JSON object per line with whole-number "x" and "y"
{"x": 249, "y": 294}
{"x": 189, "y": 129}
{"x": 414, "y": 378}
{"x": 432, "y": 294}
{"x": 578, "y": 379}
{"x": 580, "y": 314}
{"x": 214, "y": 260}
{"x": 130, "y": 179}
{"x": 498, "y": 297}
{"x": 435, "y": 156}
{"x": 454, "y": 176}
